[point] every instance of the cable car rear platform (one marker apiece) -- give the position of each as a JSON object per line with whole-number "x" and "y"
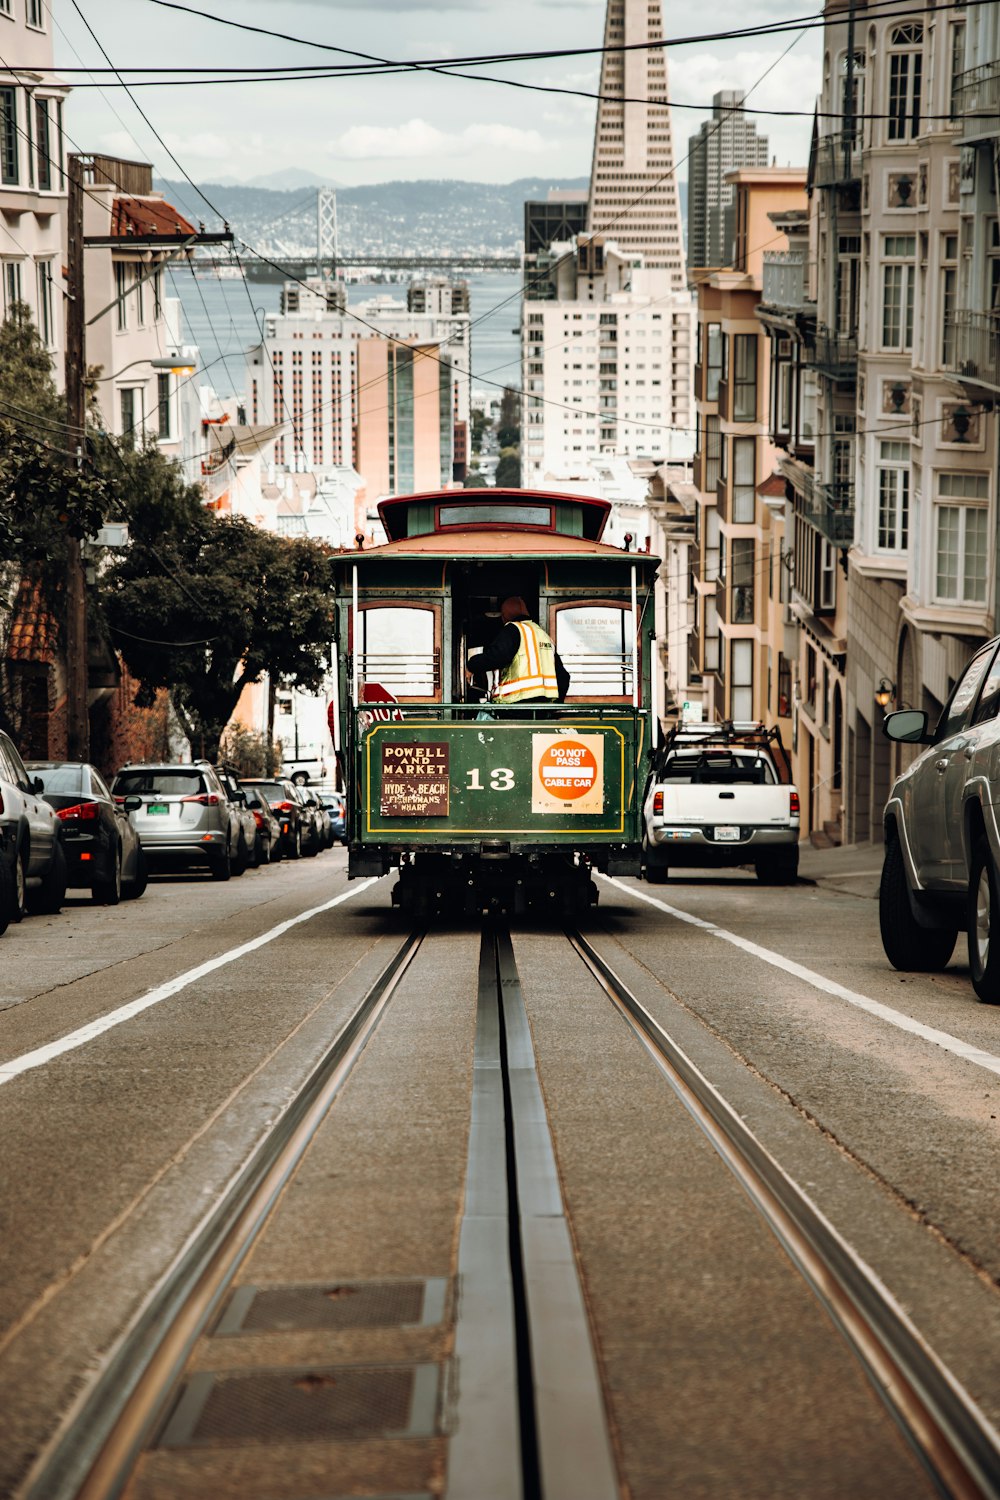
{"x": 498, "y": 807}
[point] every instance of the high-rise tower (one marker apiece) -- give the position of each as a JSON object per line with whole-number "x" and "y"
{"x": 727, "y": 141}
{"x": 633, "y": 191}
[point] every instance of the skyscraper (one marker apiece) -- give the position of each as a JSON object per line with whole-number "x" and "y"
{"x": 633, "y": 191}
{"x": 727, "y": 141}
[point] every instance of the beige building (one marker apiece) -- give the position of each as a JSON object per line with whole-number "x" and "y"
{"x": 32, "y": 174}
{"x": 740, "y": 550}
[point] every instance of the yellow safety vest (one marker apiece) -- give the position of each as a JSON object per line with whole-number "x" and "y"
{"x": 532, "y": 673}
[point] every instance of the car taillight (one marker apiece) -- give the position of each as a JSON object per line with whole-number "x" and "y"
{"x": 793, "y": 804}
{"x": 658, "y": 804}
{"x": 205, "y": 799}
{"x": 258, "y": 818}
{"x": 86, "y": 811}
{"x": 283, "y": 806}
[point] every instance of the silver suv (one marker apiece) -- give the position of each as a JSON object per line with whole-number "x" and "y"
{"x": 185, "y": 816}
{"x": 942, "y": 835}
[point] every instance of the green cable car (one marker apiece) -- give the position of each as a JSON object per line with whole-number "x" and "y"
{"x": 485, "y": 805}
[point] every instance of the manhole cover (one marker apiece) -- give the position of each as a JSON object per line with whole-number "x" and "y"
{"x": 334, "y": 1305}
{"x": 303, "y": 1405}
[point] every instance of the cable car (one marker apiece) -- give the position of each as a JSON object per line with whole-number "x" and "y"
{"x": 484, "y": 805}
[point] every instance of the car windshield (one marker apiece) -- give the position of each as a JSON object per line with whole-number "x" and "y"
{"x": 272, "y": 790}
{"x": 65, "y": 781}
{"x": 160, "y": 783}
{"x": 706, "y": 770}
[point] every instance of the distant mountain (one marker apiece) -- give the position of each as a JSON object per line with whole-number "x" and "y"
{"x": 387, "y": 217}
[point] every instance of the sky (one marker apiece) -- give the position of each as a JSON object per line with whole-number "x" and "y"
{"x": 414, "y": 125}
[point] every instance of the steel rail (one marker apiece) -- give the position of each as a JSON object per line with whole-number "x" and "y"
{"x": 950, "y": 1434}
{"x": 100, "y": 1442}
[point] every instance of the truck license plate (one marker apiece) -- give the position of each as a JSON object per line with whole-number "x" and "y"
{"x": 727, "y": 835}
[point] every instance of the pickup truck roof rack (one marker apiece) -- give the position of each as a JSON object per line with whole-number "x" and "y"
{"x": 746, "y": 734}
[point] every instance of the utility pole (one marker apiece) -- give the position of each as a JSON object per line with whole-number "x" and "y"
{"x": 78, "y": 737}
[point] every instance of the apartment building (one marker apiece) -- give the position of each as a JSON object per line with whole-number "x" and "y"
{"x": 382, "y": 388}
{"x": 606, "y": 360}
{"x": 727, "y": 141}
{"x": 32, "y": 173}
{"x": 738, "y": 667}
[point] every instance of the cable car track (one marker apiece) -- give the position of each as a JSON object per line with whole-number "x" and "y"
{"x": 951, "y": 1436}
{"x": 530, "y": 1412}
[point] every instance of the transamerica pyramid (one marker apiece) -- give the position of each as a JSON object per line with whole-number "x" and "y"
{"x": 633, "y": 191}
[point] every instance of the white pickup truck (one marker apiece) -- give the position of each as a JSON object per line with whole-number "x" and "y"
{"x": 717, "y": 796}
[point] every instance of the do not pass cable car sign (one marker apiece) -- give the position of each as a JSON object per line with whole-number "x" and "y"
{"x": 567, "y": 773}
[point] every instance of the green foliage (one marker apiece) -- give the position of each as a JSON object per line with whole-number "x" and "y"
{"x": 45, "y": 495}
{"x": 247, "y": 751}
{"x": 509, "y": 470}
{"x": 509, "y": 421}
{"x": 203, "y": 605}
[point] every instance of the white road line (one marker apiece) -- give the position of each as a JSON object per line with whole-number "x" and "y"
{"x": 942, "y": 1039}
{"x": 42, "y": 1055}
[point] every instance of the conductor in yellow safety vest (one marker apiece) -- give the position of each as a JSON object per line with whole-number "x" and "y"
{"x": 529, "y": 664}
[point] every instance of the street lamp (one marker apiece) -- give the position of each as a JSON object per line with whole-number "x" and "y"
{"x": 885, "y": 693}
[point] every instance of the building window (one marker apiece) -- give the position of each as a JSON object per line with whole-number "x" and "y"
{"x": 743, "y": 580}
{"x": 713, "y": 453}
{"x": 827, "y": 575}
{"x": 35, "y": 15}
{"x": 893, "y": 497}
{"x": 713, "y": 364}
{"x": 745, "y": 377}
{"x": 741, "y": 701}
{"x": 46, "y": 327}
{"x": 42, "y": 145}
{"x": 121, "y": 311}
{"x": 842, "y": 450}
{"x": 961, "y": 538}
{"x": 12, "y": 291}
{"x": 712, "y": 539}
{"x": 128, "y": 415}
{"x": 784, "y": 687}
{"x": 898, "y": 284}
{"x": 848, "y": 283}
{"x": 140, "y": 295}
{"x": 993, "y": 266}
{"x": 905, "y": 72}
{"x": 8, "y": 136}
{"x": 163, "y": 406}
{"x": 744, "y": 477}
{"x": 957, "y": 63}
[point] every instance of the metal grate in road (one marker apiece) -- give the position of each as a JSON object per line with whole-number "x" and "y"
{"x": 310, "y": 1404}
{"x": 333, "y": 1305}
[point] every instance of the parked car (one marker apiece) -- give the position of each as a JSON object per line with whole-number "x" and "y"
{"x": 718, "y": 796}
{"x": 303, "y": 770}
{"x": 248, "y": 844}
{"x": 33, "y": 876}
{"x": 103, "y": 850}
{"x": 184, "y": 816}
{"x": 942, "y": 841}
{"x": 313, "y": 832}
{"x": 336, "y": 805}
{"x": 320, "y": 815}
{"x": 268, "y": 825}
{"x": 282, "y": 798}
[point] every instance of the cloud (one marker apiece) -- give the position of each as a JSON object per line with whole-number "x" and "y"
{"x": 418, "y": 138}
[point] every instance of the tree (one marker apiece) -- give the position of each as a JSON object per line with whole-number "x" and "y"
{"x": 203, "y": 605}
{"x": 509, "y": 422}
{"x": 508, "y": 475}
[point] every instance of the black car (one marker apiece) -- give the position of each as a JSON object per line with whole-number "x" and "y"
{"x": 102, "y": 848}
{"x": 282, "y": 798}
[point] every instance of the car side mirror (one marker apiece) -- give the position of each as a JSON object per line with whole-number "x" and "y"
{"x": 908, "y": 726}
{"x": 37, "y": 785}
{"x": 132, "y": 804}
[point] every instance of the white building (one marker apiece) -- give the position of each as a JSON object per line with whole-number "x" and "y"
{"x": 607, "y": 362}
{"x": 32, "y": 174}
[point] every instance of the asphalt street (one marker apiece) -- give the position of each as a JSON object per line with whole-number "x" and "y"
{"x": 146, "y": 1049}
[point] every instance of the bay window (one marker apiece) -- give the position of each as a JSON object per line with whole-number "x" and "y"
{"x": 893, "y": 475}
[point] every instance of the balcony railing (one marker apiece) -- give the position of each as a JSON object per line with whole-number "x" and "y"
{"x": 784, "y": 278}
{"x": 977, "y": 100}
{"x": 835, "y": 354}
{"x": 830, "y": 508}
{"x": 975, "y": 338}
{"x": 838, "y": 161}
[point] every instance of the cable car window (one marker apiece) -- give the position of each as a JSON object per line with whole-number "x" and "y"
{"x": 399, "y": 650}
{"x": 495, "y": 515}
{"x": 595, "y": 643}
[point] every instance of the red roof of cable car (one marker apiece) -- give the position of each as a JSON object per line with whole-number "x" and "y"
{"x": 393, "y": 509}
